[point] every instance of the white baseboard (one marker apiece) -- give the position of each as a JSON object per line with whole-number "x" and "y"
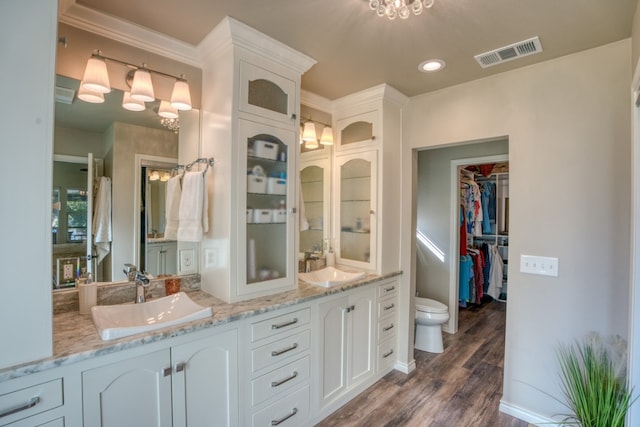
{"x": 405, "y": 368}
{"x": 526, "y": 415}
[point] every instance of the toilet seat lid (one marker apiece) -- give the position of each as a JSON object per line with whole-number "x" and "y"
{"x": 430, "y": 306}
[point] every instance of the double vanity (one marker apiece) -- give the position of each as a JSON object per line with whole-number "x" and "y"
{"x": 288, "y": 359}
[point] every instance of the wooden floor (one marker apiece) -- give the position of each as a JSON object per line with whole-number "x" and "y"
{"x": 460, "y": 387}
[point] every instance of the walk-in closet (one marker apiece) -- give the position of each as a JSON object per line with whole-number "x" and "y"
{"x": 484, "y": 233}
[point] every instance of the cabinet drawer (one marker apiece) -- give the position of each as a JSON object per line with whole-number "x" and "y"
{"x": 280, "y": 380}
{"x": 387, "y": 328}
{"x": 387, "y": 289}
{"x": 281, "y": 349}
{"x": 291, "y": 410}
{"x": 386, "y": 354}
{"x": 278, "y": 324}
{"x": 387, "y": 307}
{"x": 29, "y": 401}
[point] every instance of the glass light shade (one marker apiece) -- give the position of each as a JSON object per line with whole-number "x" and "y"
{"x": 165, "y": 177}
{"x": 154, "y": 176}
{"x": 327, "y": 136}
{"x": 95, "y": 76}
{"x": 142, "y": 88}
{"x": 167, "y": 111}
{"x": 309, "y": 132}
{"x": 131, "y": 104}
{"x": 91, "y": 96}
{"x": 311, "y": 145}
{"x": 181, "y": 97}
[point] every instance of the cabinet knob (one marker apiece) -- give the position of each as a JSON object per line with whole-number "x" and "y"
{"x": 294, "y": 116}
{"x": 372, "y": 212}
{"x": 180, "y": 366}
{"x": 167, "y": 371}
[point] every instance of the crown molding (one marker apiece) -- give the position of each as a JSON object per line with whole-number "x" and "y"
{"x": 316, "y": 102}
{"x": 381, "y": 92}
{"x": 87, "y": 19}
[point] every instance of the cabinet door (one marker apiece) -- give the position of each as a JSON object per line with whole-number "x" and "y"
{"x": 267, "y": 94}
{"x": 154, "y": 259}
{"x": 355, "y": 210}
{"x": 134, "y": 392}
{"x": 205, "y": 384}
{"x": 170, "y": 258}
{"x": 315, "y": 188}
{"x": 361, "y": 320}
{"x": 334, "y": 347}
{"x": 266, "y": 193}
{"x": 357, "y": 131}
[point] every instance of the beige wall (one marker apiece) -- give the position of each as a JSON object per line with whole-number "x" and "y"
{"x": 635, "y": 38}
{"x": 568, "y": 124}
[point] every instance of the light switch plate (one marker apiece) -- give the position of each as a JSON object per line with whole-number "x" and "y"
{"x": 545, "y": 266}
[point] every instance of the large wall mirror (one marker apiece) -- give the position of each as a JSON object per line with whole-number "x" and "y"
{"x": 115, "y": 138}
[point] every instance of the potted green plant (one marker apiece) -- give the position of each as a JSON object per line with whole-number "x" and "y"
{"x": 593, "y": 377}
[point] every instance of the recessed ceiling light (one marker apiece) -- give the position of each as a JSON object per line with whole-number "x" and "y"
{"x": 431, "y": 65}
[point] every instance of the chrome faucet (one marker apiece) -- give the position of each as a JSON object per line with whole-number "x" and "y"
{"x": 142, "y": 281}
{"x": 308, "y": 257}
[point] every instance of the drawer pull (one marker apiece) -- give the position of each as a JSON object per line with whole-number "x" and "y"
{"x": 388, "y": 328}
{"x": 30, "y": 404}
{"x": 284, "y": 350}
{"x": 289, "y": 378}
{"x": 180, "y": 366}
{"x": 286, "y": 417}
{"x": 167, "y": 371}
{"x": 388, "y": 354}
{"x": 285, "y": 324}
{"x": 389, "y": 307}
{"x": 390, "y": 288}
{"x": 351, "y": 308}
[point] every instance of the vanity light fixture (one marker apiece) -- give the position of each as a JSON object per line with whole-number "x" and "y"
{"x": 165, "y": 177}
{"x": 154, "y": 176}
{"x": 327, "y": 136}
{"x": 91, "y": 96}
{"x": 128, "y": 103}
{"x": 96, "y": 78}
{"x": 431, "y": 65}
{"x": 309, "y": 132}
{"x": 167, "y": 111}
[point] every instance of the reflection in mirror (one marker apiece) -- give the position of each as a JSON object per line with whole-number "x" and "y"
{"x": 158, "y": 256}
{"x": 312, "y": 185}
{"x": 116, "y": 135}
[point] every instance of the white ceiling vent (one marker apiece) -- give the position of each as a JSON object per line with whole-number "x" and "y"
{"x": 64, "y": 95}
{"x": 508, "y": 53}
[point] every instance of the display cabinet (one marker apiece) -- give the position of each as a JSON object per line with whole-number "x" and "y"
{"x": 355, "y": 209}
{"x": 357, "y": 131}
{"x": 267, "y": 233}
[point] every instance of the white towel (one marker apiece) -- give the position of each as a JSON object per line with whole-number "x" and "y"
{"x": 194, "y": 217}
{"x": 304, "y": 224}
{"x": 172, "y": 208}
{"x": 102, "y": 218}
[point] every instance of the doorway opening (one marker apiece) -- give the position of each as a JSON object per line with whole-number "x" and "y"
{"x": 438, "y": 218}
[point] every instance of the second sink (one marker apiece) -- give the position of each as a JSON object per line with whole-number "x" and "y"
{"x": 329, "y": 276}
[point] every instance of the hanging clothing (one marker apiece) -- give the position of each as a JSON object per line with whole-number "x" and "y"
{"x": 496, "y": 272}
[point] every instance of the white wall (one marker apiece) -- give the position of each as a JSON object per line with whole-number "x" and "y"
{"x": 568, "y": 123}
{"x": 27, "y": 34}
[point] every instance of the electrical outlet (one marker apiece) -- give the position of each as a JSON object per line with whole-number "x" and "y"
{"x": 187, "y": 260}
{"x": 545, "y": 266}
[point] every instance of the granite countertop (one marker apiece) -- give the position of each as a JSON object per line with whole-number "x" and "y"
{"x": 75, "y": 338}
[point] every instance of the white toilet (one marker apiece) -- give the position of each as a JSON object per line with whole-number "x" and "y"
{"x": 430, "y": 315}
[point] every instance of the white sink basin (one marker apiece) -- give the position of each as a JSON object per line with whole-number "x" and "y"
{"x": 328, "y": 277}
{"x": 117, "y": 321}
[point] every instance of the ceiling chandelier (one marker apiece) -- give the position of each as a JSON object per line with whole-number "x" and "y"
{"x": 399, "y": 8}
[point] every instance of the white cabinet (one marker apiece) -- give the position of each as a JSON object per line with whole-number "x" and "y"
{"x": 279, "y": 363}
{"x": 367, "y": 174}
{"x": 192, "y": 384}
{"x": 26, "y": 403}
{"x": 346, "y": 330}
{"x": 162, "y": 258}
{"x": 355, "y": 210}
{"x": 250, "y": 126}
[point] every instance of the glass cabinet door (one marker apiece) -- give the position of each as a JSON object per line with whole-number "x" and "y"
{"x": 267, "y": 94}
{"x": 357, "y": 201}
{"x": 267, "y": 200}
